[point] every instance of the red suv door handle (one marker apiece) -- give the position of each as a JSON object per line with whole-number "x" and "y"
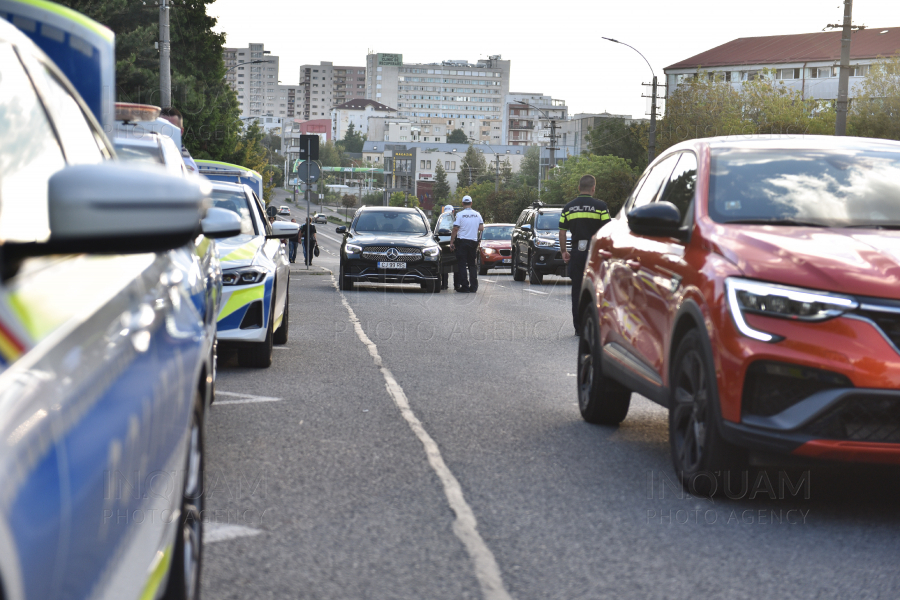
{"x": 634, "y": 264}
{"x": 604, "y": 254}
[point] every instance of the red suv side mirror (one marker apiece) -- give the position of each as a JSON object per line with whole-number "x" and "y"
{"x": 659, "y": 219}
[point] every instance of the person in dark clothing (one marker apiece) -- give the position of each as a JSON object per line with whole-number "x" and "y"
{"x": 292, "y": 247}
{"x": 467, "y": 231}
{"x": 582, "y": 217}
{"x": 308, "y": 240}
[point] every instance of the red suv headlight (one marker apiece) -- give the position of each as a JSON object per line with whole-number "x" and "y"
{"x": 774, "y": 300}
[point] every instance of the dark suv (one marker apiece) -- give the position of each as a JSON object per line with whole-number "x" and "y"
{"x": 390, "y": 245}
{"x": 535, "y": 243}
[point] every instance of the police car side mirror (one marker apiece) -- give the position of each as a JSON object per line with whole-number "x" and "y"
{"x": 283, "y": 230}
{"x": 443, "y": 232}
{"x": 526, "y": 227}
{"x": 220, "y": 223}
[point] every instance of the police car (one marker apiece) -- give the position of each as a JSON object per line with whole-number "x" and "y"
{"x": 106, "y": 361}
{"x": 256, "y": 276}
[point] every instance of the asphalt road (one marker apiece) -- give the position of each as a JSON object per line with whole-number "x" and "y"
{"x": 322, "y": 484}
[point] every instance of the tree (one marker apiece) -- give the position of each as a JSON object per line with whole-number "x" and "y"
{"x": 506, "y": 172}
{"x": 250, "y": 153}
{"x": 472, "y": 167}
{"x": 372, "y": 199}
{"x": 348, "y": 201}
{"x": 353, "y": 141}
{"x": 875, "y": 111}
{"x": 613, "y": 137}
{"x": 457, "y": 136}
{"x": 403, "y": 199}
{"x": 331, "y": 154}
{"x": 530, "y": 168}
{"x": 441, "y": 188}
{"x": 615, "y": 180}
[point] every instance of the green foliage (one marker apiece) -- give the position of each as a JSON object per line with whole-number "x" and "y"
{"x": 614, "y": 137}
{"x": 403, "y": 199}
{"x": 372, "y": 199}
{"x": 706, "y": 107}
{"x": 441, "y": 188}
{"x": 249, "y": 152}
{"x": 353, "y": 141}
{"x": 615, "y": 180}
{"x": 457, "y": 136}
{"x": 348, "y": 200}
{"x": 875, "y": 111}
{"x": 471, "y": 168}
{"x": 506, "y": 173}
{"x": 529, "y": 169}
{"x": 331, "y": 154}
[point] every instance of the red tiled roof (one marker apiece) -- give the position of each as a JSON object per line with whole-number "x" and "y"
{"x": 802, "y": 47}
{"x": 361, "y": 103}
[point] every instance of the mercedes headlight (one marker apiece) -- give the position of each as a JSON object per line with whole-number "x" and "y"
{"x": 544, "y": 242}
{"x": 431, "y": 252}
{"x": 352, "y": 249}
{"x": 244, "y": 276}
{"x": 773, "y": 300}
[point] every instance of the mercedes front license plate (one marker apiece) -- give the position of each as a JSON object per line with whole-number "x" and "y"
{"x": 391, "y": 265}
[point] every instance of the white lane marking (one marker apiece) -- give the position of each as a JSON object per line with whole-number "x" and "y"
{"x": 328, "y": 237}
{"x": 537, "y": 292}
{"x": 465, "y": 527}
{"x": 243, "y": 398}
{"x": 220, "y": 532}
{"x": 571, "y": 375}
{"x": 281, "y": 348}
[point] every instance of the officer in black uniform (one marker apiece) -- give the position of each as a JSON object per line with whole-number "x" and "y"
{"x": 583, "y": 216}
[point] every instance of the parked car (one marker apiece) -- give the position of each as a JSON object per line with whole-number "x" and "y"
{"x": 284, "y": 210}
{"x": 749, "y": 286}
{"x": 535, "y": 244}
{"x": 320, "y": 218}
{"x": 106, "y": 364}
{"x": 222, "y": 171}
{"x": 495, "y": 249}
{"x": 389, "y": 245}
{"x": 255, "y": 276}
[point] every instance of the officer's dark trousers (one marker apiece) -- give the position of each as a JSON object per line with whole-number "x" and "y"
{"x": 465, "y": 261}
{"x": 575, "y": 270}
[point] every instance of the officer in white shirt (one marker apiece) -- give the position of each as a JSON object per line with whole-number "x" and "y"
{"x": 467, "y": 230}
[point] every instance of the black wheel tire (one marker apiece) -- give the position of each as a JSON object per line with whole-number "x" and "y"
{"x": 259, "y": 355}
{"x": 345, "y": 283}
{"x": 517, "y": 273}
{"x": 431, "y": 287}
{"x": 482, "y": 270}
{"x": 704, "y": 461}
{"x": 534, "y": 278}
{"x": 187, "y": 558}
{"x": 601, "y": 400}
{"x": 281, "y": 334}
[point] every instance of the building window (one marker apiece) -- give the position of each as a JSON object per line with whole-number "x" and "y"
{"x": 787, "y": 74}
{"x": 820, "y": 72}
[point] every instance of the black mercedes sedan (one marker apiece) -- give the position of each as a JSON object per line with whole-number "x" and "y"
{"x": 390, "y": 245}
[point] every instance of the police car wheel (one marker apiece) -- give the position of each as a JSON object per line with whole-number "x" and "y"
{"x": 601, "y": 400}
{"x": 187, "y": 559}
{"x": 281, "y": 334}
{"x": 517, "y": 273}
{"x": 534, "y": 277}
{"x": 259, "y": 355}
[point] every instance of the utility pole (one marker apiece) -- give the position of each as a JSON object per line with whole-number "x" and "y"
{"x": 651, "y": 142}
{"x": 552, "y": 147}
{"x": 497, "y": 179}
{"x": 165, "y": 73}
{"x": 840, "y": 122}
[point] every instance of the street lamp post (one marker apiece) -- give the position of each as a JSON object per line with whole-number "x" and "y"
{"x": 651, "y": 142}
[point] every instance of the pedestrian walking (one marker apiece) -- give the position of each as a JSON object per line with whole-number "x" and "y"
{"x": 292, "y": 247}
{"x": 581, "y": 217}
{"x": 308, "y": 240}
{"x": 467, "y": 230}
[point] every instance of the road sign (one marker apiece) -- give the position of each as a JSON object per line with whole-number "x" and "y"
{"x": 309, "y": 172}
{"x": 302, "y": 142}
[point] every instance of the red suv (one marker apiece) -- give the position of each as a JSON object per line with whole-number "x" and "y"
{"x": 752, "y": 287}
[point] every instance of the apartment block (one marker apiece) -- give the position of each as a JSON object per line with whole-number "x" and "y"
{"x": 527, "y": 116}
{"x": 252, "y": 73}
{"x": 452, "y": 89}
{"x": 324, "y": 86}
{"x": 357, "y": 112}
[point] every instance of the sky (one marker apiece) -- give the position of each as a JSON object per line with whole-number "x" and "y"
{"x": 555, "y": 48}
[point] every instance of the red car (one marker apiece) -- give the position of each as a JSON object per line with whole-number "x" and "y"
{"x": 752, "y": 287}
{"x": 495, "y": 249}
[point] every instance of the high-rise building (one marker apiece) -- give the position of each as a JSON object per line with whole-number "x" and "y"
{"x": 324, "y": 86}
{"x": 452, "y": 89}
{"x": 253, "y": 74}
{"x": 526, "y": 118}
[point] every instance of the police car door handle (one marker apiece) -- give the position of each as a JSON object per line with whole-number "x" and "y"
{"x": 634, "y": 264}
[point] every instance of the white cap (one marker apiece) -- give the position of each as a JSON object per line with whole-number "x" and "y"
{"x": 467, "y": 200}
{"x": 448, "y": 208}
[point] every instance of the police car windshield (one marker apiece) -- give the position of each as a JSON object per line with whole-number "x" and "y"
{"x": 236, "y": 202}
{"x": 139, "y": 154}
{"x": 498, "y": 233}
{"x": 548, "y": 220}
{"x": 377, "y": 221}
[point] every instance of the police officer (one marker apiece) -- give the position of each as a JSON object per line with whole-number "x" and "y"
{"x": 467, "y": 228}
{"x": 583, "y": 216}
{"x": 445, "y": 275}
